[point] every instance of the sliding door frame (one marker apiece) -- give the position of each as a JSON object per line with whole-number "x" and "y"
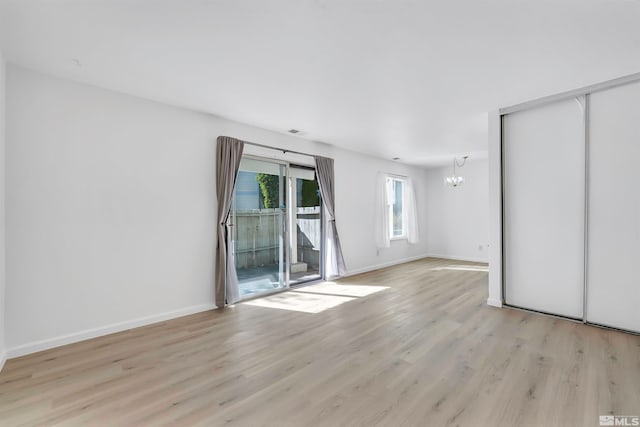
{"x": 289, "y": 216}
{"x": 321, "y": 272}
{"x": 586, "y": 92}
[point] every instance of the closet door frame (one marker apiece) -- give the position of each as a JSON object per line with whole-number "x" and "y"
{"x": 504, "y": 185}
{"x": 586, "y": 92}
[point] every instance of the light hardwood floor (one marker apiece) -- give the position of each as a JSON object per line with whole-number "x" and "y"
{"x": 425, "y": 351}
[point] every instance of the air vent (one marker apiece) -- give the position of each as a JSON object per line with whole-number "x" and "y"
{"x": 293, "y": 131}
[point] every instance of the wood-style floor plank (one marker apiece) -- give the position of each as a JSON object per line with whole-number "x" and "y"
{"x": 423, "y": 349}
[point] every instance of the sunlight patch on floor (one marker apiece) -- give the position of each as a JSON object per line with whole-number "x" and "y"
{"x": 315, "y": 298}
{"x": 331, "y": 288}
{"x": 299, "y": 301}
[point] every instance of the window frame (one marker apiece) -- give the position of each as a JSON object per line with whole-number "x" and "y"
{"x": 404, "y": 235}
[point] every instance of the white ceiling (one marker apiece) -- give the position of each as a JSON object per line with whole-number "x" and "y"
{"x": 394, "y": 78}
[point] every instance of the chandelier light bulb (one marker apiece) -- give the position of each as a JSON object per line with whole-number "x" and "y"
{"x": 454, "y": 181}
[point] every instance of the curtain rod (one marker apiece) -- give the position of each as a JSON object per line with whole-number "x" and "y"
{"x": 278, "y": 149}
{"x": 395, "y": 175}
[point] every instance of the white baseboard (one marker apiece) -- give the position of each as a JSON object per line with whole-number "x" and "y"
{"x": 383, "y": 265}
{"x": 459, "y": 258}
{"x": 49, "y": 343}
{"x": 494, "y": 302}
{"x": 3, "y": 359}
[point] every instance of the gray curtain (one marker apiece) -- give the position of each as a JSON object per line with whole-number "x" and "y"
{"x": 324, "y": 170}
{"x": 228, "y": 155}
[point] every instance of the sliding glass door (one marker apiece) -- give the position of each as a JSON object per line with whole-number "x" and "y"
{"x": 305, "y": 225}
{"x": 258, "y": 218}
{"x": 276, "y": 223}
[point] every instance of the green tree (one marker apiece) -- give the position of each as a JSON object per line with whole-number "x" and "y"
{"x": 310, "y": 194}
{"x": 270, "y": 189}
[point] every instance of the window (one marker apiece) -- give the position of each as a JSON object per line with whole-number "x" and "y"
{"x": 395, "y": 199}
{"x": 396, "y": 211}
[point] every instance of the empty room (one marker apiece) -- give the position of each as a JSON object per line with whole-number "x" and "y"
{"x": 319, "y": 213}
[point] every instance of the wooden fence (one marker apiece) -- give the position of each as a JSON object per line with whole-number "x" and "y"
{"x": 257, "y": 238}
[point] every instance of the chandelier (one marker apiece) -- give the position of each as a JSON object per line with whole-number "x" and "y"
{"x": 454, "y": 180}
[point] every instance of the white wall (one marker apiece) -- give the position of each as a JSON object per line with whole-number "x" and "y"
{"x": 458, "y": 218}
{"x": 2, "y": 211}
{"x": 111, "y": 209}
{"x": 356, "y": 201}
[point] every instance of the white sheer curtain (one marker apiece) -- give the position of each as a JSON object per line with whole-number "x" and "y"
{"x": 411, "y": 209}
{"x": 382, "y": 211}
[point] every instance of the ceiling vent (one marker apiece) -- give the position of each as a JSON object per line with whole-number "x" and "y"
{"x": 395, "y": 158}
{"x": 293, "y": 131}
